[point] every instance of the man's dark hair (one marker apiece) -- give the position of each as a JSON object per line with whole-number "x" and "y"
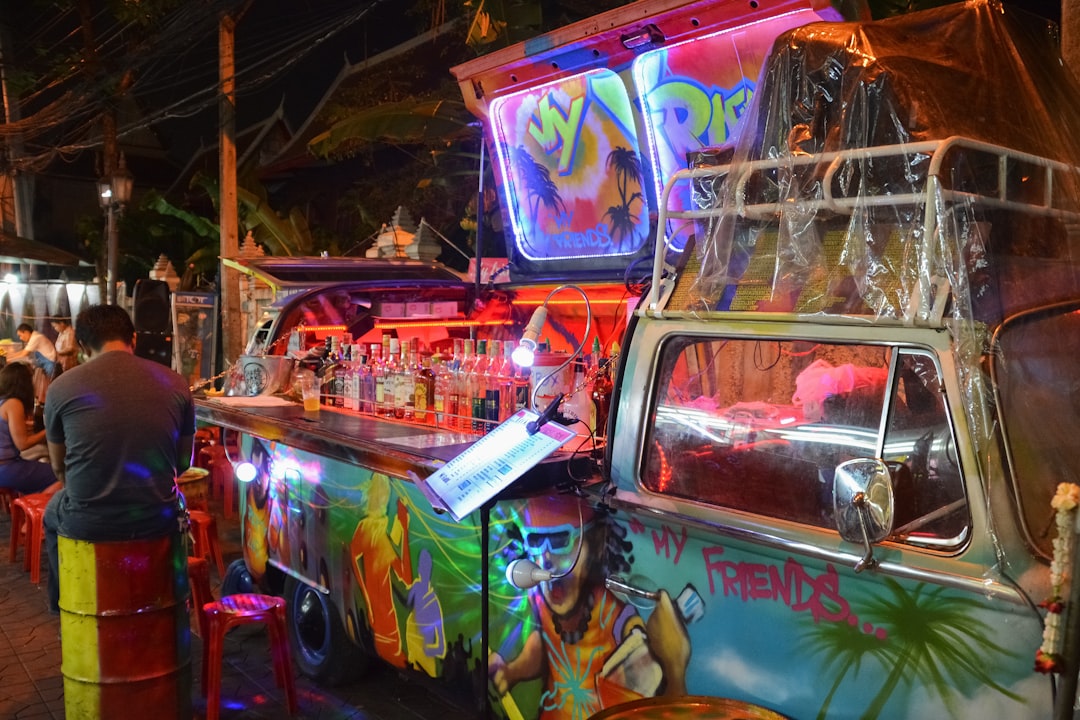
{"x": 24, "y": 327}
{"x": 99, "y": 324}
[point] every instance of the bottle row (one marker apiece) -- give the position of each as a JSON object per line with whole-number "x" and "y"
{"x": 472, "y": 390}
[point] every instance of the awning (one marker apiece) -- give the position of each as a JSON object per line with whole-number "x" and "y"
{"x": 16, "y": 249}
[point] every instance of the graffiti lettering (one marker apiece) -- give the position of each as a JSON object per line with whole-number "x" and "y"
{"x": 796, "y": 588}
{"x": 557, "y": 131}
{"x": 597, "y": 237}
{"x": 688, "y": 115}
{"x": 665, "y": 538}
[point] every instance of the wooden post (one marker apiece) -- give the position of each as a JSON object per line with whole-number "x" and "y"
{"x": 1070, "y": 35}
{"x": 231, "y": 323}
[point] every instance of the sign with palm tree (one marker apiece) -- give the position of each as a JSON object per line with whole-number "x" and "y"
{"x": 569, "y": 158}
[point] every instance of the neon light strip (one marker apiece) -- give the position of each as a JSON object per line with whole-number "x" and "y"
{"x": 320, "y": 328}
{"x": 440, "y": 323}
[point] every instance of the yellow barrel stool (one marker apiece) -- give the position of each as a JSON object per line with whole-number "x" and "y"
{"x": 124, "y": 629}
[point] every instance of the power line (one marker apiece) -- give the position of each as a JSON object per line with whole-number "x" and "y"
{"x": 74, "y": 112}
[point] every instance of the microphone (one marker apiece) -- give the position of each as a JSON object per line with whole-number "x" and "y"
{"x": 525, "y": 574}
{"x": 549, "y": 412}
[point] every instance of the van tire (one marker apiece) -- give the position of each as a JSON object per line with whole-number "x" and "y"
{"x": 237, "y": 579}
{"x": 322, "y": 649}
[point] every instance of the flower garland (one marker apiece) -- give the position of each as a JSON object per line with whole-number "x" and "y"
{"x": 1048, "y": 657}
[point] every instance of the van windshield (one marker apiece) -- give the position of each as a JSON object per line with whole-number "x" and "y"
{"x": 1037, "y": 379}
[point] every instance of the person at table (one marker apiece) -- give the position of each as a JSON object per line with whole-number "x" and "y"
{"x": 120, "y": 429}
{"x": 67, "y": 352}
{"x": 16, "y": 408}
{"x": 40, "y": 352}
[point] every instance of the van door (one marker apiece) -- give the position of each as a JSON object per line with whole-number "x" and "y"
{"x": 725, "y": 496}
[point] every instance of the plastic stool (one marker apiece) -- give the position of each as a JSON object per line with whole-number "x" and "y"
{"x": 28, "y": 509}
{"x": 216, "y": 459}
{"x": 6, "y": 496}
{"x": 204, "y": 532}
{"x": 245, "y": 609}
{"x": 201, "y": 594}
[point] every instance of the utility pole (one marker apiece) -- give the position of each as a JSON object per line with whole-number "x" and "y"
{"x": 1070, "y": 35}
{"x": 16, "y": 205}
{"x": 230, "y": 224}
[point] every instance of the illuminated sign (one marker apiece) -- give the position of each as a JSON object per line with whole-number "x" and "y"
{"x": 693, "y": 94}
{"x": 568, "y": 154}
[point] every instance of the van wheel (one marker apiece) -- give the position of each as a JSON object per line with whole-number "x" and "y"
{"x": 237, "y": 579}
{"x": 321, "y": 647}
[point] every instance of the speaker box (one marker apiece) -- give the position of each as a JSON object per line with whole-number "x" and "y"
{"x": 151, "y": 307}
{"x": 154, "y": 346}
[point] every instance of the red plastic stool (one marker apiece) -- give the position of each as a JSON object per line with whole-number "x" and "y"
{"x": 6, "y": 496}
{"x": 205, "y": 534}
{"x": 28, "y": 510}
{"x": 201, "y": 594}
{"x": 222, "y": 482}
{"x": 245, "y": 609}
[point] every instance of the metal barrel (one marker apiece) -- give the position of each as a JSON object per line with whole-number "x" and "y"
{"x": 124, "y": 629}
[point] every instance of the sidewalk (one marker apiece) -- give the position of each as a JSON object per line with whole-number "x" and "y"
{"x": 32, "y": 688}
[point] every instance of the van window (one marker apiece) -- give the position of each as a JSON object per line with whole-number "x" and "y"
{"x": 760, "y": 425}
{"x": 1037, "y": 379}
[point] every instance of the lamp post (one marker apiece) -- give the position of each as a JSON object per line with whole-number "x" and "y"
{"x": 113, "y": 193}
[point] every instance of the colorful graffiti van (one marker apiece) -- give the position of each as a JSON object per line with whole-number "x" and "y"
{"x": 840, "y": 454}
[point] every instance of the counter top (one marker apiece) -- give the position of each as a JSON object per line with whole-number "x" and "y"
{"x": 384, "y": 445}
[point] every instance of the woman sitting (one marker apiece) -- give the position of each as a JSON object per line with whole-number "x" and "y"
{"x": 16, "y": 408}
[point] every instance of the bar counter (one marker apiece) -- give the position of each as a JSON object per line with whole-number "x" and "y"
{"x": 390, "y": 446}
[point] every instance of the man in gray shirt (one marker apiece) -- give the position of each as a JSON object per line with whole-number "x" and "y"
{"x": 120, "y": 429}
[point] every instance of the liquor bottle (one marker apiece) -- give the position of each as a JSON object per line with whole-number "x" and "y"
{"x": 505, "y": 379}
{"x": 405, "y": 407}
{"x": 492, "y": 391}
{"x": 348, "y": 379}
{"x": 463, "y": 407}
{"x": 379, "y": 370}
{"x": 356, "y": 374}
{"x": 602, "y": 387}
{"x": 475, "y": 391}
{"x": 424, "y": 392}
{"x": 393, "y": 372}
{"x": 443, "y": 377}
{"x": 367, "y": 384}
{"x": 341, "y": 370}
{"x": 326, "y": 383}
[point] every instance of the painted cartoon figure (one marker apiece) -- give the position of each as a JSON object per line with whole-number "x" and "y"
{"x": 257, "y": 512}
{"x": 590, "y": 648}
{"x": 378, "y": 548}
{"x": 425, "y": 639}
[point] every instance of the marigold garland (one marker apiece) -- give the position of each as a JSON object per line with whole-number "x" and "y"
{"x": 1048, "y": 657}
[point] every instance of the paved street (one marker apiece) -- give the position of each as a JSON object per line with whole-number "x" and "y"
{"x": 31, "y": 684}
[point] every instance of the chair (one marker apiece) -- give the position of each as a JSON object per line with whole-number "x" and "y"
{"x": 204, "y": 532}
{"x": 28, "y": 510}
{"x": 215, "y": 618}
{"x": 6, "y": 496}
{"x": 201, "y": 592}
{"x": 215, "y": 458}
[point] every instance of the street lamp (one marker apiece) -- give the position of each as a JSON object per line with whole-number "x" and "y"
{"x": 113, "y": 193}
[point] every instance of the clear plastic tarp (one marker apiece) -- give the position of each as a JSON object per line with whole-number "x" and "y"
{"x": 919, "y": 170}
{"x": 894, "y": 165}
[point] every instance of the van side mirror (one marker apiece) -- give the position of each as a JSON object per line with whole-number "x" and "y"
{"x": 863, "y": 504}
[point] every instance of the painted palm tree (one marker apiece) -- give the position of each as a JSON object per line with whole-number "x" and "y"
{"x": 844, "y": 648}
{"x": 626, "y": 164}
{"x": 540, "y": 189}
{"x": 935, "y": 640}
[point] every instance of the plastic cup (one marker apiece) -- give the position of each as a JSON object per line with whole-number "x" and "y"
{"x": 309, "y": 391}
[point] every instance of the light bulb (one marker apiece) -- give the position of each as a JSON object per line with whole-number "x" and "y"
{"x": 524, "y": 355}
{"x": 524, "y": 574}
{"x": 245, "y": 472}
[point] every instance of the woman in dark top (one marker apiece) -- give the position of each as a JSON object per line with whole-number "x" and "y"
{"x": 16, "y": 406}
